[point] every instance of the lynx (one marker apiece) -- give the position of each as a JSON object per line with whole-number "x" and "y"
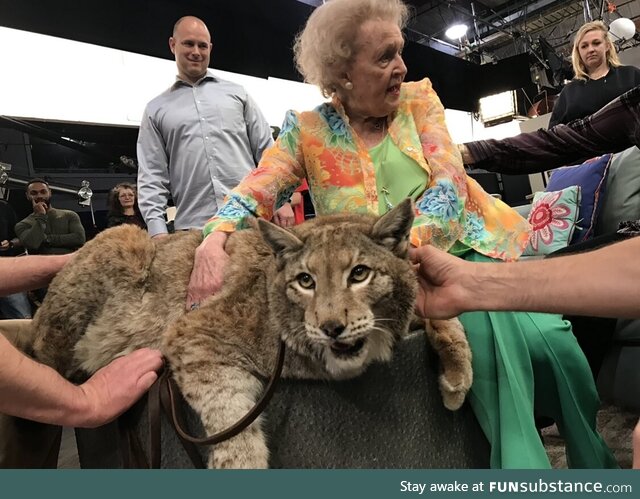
{"x": 337, "y": 290}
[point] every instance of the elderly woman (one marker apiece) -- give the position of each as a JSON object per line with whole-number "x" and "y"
{"x": 377, "y": 142}
{"x": 599, "y": 76}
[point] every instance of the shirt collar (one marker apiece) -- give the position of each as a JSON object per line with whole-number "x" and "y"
{"x": 208, "y": 76}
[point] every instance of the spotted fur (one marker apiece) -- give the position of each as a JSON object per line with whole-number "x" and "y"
{"x": 338, "y": 290}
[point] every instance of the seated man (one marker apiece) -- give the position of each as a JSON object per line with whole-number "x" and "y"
{"x": 48, "y": 231}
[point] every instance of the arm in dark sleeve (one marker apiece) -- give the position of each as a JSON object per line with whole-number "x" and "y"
{"x": 613, "y": 128}
{"x": 559, "y": 113}
{"x": 31, "y": 232}
{"x": 74, "y": 238}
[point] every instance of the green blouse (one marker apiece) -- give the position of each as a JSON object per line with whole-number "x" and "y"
{"x": 399, "y": 177}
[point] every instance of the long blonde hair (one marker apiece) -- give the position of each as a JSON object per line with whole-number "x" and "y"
{"x": 579, "y": 68}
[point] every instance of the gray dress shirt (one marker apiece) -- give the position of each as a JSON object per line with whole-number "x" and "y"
{"x": 196, "y": 143}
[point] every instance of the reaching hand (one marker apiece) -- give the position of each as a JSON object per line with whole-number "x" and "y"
{"x": 440, "y": 277}
{"x": 208, "y": 269}
{"x": 118, "y": 385}
{"x": 284, "y": 216}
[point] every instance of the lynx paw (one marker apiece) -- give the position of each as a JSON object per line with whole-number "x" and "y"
{"x": 248, "y": 450}
{"x": 454, "y": 388}
{"x": 450, "y": 342}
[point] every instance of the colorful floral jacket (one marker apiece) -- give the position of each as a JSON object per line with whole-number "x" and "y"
{"x": 321, "y": 146}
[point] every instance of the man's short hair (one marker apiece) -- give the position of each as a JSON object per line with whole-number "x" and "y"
{"x": 37, "y": 181}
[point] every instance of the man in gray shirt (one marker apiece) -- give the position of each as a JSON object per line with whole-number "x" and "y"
{"x": 198, "y": 139}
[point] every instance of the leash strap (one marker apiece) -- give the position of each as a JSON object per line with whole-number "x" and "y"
{"x": 167, "y": 404}
{"x": 155, "y": 444}
{"x": 165, "y": 394}
{"x": 248, "y": 418}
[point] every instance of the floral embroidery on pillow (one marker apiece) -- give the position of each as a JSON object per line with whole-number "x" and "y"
{"x": 546, "y": 215}
{"x": 553, "y": 219}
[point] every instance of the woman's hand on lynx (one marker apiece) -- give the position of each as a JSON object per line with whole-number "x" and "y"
{"x": 284, "y": 216}
{"x": 441, "y": 293}
{"x": 117, "y": 386}
{"x": 208, "y": 269}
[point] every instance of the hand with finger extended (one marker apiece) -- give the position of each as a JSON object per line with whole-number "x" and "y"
{"x": 40, "y": 208}
{"x": 117, "y": 386}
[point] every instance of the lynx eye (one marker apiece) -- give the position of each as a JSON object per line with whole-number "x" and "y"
{"x": 359, "y": 273}
{"x": 306, "y": 281}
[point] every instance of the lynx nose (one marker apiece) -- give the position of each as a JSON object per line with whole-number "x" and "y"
{"x": 332, "y": 329}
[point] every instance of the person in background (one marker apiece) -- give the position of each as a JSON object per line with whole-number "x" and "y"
{"x": 198, "y": 139}
{"x": 16, "y": 305}
{"x": 36, "y": 392}
{"x": 599, "y": 76}
{"x": 123, "y": 206}
{"x": 603, "y": 282}
{"x": 379, "y": 141}
{"x": 613, "y": 128}
{"x": 48, "y": 230}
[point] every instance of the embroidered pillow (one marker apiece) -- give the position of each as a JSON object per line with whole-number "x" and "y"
{"x": 553, "y": 217}
{"x": 591, "y": 176}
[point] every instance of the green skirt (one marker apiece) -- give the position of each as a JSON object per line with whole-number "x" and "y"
{"x": 526, "y": 362}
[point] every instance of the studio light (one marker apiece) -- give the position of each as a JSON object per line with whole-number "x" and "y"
{"x": 456, "y": 31}
{"x": 622, "y": 28}
{"x": 498, "y": 108}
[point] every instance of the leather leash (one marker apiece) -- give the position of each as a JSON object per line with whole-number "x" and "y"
{"x": 165, "y": 395}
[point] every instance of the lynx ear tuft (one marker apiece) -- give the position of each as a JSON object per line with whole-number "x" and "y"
{"x": 281, "y": 240}
{"x": 393, "y": 228}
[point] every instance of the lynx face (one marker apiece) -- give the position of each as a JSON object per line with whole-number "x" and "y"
{"x": 349, "y": 288}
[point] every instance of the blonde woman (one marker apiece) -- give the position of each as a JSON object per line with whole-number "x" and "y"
{"x": 599, "y": 75}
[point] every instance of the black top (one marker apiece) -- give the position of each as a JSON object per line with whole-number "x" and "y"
{"x": 7, "y": 224}
{"x": 580, "y": 98}
{"x": 115, "y": 220}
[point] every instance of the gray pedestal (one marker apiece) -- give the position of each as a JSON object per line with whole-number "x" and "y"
{"x": 391, "y": 417}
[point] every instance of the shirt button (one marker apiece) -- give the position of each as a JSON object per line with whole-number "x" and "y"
{"x": 410, "y": 149}
{"x": 201, "y": 119}
{"x": 206, "y": 138}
